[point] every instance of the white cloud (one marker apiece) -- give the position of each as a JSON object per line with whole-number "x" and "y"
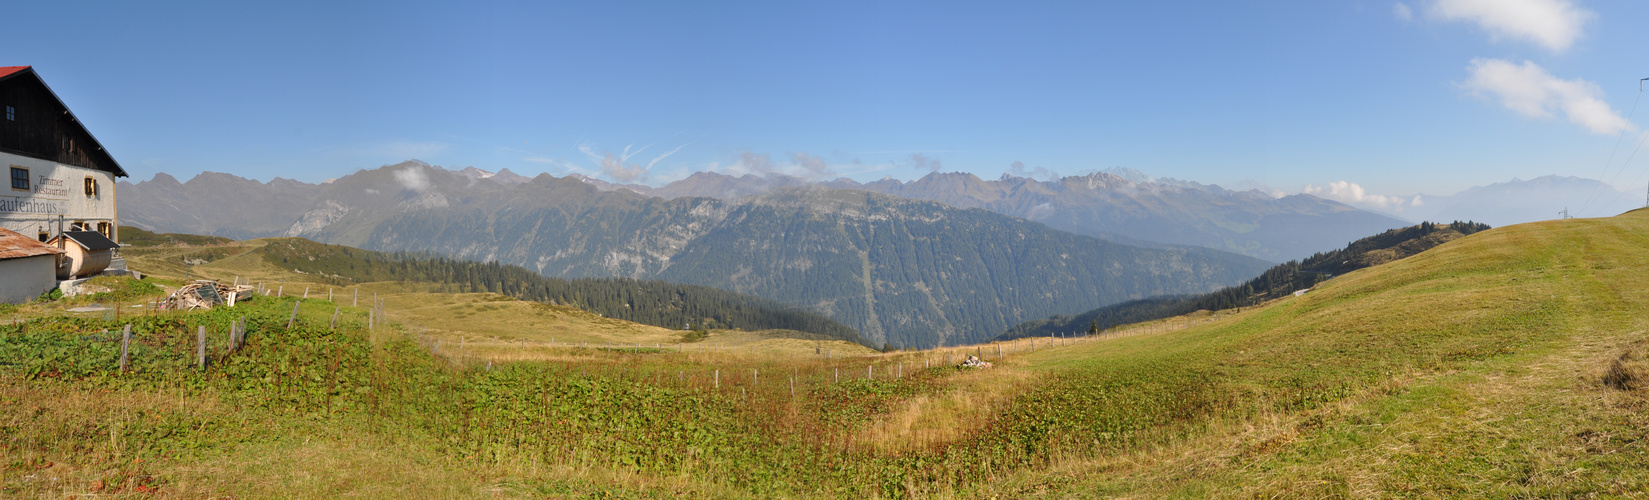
{"x": 615, "y": 168}
{"x": 1018, "y": 169}
{"x": 412, "y": 178}
{"x": 1529, "y": 90}
{"x": 921, "y": 161}
{"x": 801, "y": 165}
{"x": 812, "y": 167}
{"x": 618, "y": 167}
{"x": 1403, "y": 12}
{"x": 1352, "y": 194}
{"x": 1552, "y": 23}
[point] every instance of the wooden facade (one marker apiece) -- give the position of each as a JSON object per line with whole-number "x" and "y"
{"x": 35, "y": 123}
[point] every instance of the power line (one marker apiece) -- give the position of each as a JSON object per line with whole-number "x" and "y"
{"x": 1618, "y": 137}
{"x": 1628, "y": 162}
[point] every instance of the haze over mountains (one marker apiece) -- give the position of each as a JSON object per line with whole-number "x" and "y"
{"x": 906, "y": 272}
{"x": 1119, "y": 204}
{"x": 1518, "y": 201}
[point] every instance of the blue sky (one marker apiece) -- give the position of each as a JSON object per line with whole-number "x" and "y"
{"x": 1389, "y": 98}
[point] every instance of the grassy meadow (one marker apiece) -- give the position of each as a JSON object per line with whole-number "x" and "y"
{"x": 1510, "y": 363}
{"x": 487, "y": 325}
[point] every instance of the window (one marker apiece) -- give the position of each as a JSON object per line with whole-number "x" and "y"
{"x": 91, "y": 186}
{"x": 19, "y": 178}
{"x": 105, "y": 229}
{"x": 11, "y": 114}
{"x": 78, "y": 225}
{"x": 44, "y": 236}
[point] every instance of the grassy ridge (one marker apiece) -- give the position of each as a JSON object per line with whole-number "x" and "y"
{"x": 1472, "y": 370}
{"x": 139, "y": 237}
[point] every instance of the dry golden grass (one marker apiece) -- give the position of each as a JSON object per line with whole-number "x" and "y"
{"x": 966, "y": 405}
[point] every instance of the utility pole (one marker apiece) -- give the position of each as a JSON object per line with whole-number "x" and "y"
{"x": 1565, "y": 212}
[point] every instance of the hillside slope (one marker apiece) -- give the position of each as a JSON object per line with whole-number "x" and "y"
{"x": 1505, "y": 364}
{"x": 1278, "y": 282}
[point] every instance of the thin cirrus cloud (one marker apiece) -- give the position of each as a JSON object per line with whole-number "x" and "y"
{"x": 1529, "y": 90}
{"x": 802, "y": 165}
{"x": 1352, "y": 194}
{"x": 1403, "y": 12}
{"x": 1554, "y": 24}
{"x": 618, "y": 166}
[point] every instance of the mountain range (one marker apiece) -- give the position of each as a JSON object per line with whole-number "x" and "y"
{"x": 1119, "y": 205}
{"x": 902, "y": 271}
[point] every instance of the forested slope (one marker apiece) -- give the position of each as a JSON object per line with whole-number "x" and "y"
{"x": 656, "y": 303}
{"x": 1274, "y": 283}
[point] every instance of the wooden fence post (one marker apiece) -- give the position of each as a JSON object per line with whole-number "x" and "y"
{"x": 294, "y": 318}
{"x": 200, "y": 347}
{"x": 870, "y": 372}
{"x": 125, "y": 343}
{"x": 752, "y": 376}
{"x": 335, "y": 311}
{"x": 356, "y": 302}
{"x": 838, "y": 379}
{"x": 306, "y": 293}
{"x": 281, "y": 291}
{"x": 792, "y": 387}
{"x": 718, "y": 378}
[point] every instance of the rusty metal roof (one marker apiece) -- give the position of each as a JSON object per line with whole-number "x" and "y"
{"x": 8, "y": 70}
{"x": 14, "y": 246}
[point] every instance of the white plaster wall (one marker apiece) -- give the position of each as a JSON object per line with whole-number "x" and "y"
{"x": 26, "y": 278}
{"x": 55, "y": 190}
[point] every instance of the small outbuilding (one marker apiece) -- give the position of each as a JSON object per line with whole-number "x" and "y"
{"x": 27, "y": 267}
{"x": 85, "y": 253}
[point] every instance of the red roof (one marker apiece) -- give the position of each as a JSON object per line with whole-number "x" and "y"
{"x": 8, "y": 70}
{"x": 13, "y": 245}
